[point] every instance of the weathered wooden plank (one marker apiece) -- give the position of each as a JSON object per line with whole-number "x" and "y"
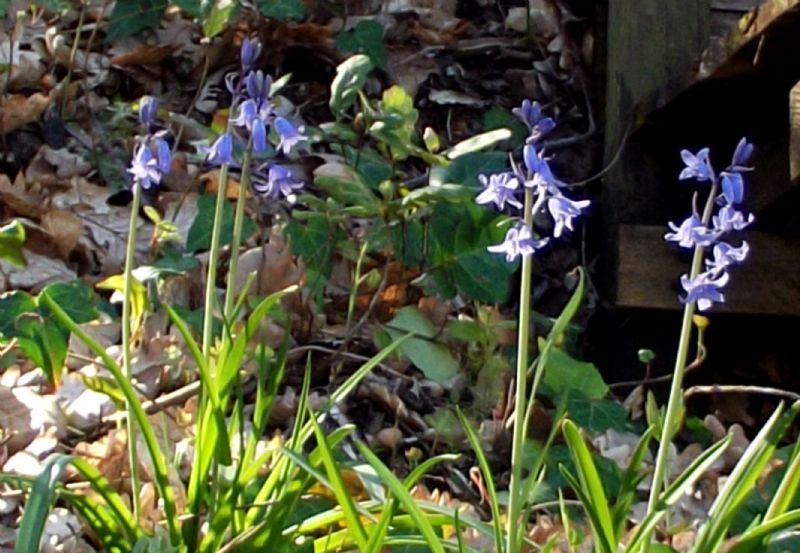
{"x": 650, "y": 268}
{"x": 735, "y": 5}
{"x": 794, "y": 129}
{"x": 651, "y": 43}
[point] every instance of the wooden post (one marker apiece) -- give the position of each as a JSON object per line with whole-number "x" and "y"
{"x": 652, "y": 44}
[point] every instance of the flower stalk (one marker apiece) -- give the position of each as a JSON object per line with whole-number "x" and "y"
{"x": 515, "y": 487}
{"x": 703, "y": 287}
{"x": 127, "y": 323}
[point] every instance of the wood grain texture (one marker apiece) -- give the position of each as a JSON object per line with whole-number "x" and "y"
{"x": 767, "y": 284}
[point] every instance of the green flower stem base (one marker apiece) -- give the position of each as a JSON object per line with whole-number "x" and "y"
{"x": 514, "y": 524}
{"x": 130, "y": 255}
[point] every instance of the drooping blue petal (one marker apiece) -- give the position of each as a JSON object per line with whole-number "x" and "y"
{"x": 289, "y": 136}
{"x": 221, "y": 151}
{"x": 148, "y": 107}
{"x": 259, "y": 136}
{"x": 251, "y": 49}
{"x": 742, "y": 154}
{"x": 499, "y": 189}
{"x": 518, "y": 241}
{"x": 732, "y": 187}
{"x": 164, "y": 155}
{"x": 698, "y": 166}
{"x": 563, "y": 210}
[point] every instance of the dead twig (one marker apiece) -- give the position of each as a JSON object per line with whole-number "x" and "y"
{"x": 740, "y": 389}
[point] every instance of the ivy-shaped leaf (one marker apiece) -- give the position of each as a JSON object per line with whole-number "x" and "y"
{"x": 364, "y": 38}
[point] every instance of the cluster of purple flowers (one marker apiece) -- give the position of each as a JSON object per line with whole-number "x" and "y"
{"x": 255, "y": 119}
{"x": 503, "y": 188}
{"x": 706, "y": 287}
{"x": 151, "y": 157}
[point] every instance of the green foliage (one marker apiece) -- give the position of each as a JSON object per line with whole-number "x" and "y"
{"x": 351, "y": 75}
{"x": 200, "y": 232}
{"x": 12, "y": 238}
{"x": 39, "y": 334}
{"x": 282, "y": 9}
{"x": 365, "y": 38}
{"x": 131, "y": 16}
{"x": 433, "y": 358}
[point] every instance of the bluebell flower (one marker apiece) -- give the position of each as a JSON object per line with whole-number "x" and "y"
{"x": 221, "y": 151}
{"x": 248, "y": 112}
{"x": 726, "y": 255}
{"x": 148, "y": 107}
{"x": 251, "y": 49}
{"x": 705, "y": 289}
{"x": 164, "y": 155}
{"x": 690, "y": 233}
{"x": 540, "y": 175}
{"x": 279, "y": 182}
{"x": 698, "y": 166}
{"x": 518, "y": 241}
{"x": 145, "y": 167}
{"x": 289, "y": 136}
{"x": 258, "y": 86}
{"x": 742, "y": 154}
{"x": 531, "y": 114}
{"x": 563, "y": 211}
{"x": 729, "y": 218}
{"x": 500, "y": 189}
{"x": 732, "y": 187}
{"x": 259, "y": 136}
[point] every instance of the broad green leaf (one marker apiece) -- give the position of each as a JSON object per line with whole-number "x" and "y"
{"x": 465, "y": 169}
{"x": 478, "y": 142}
{"x": 131, "y": 16}
{"x": 565, "y": 374}
{"x": 12, "y": 306}
{"x": 75, "y": 298}
{"x": 365, "y": 38}
{"x": 434, "y": 359}
{"x": 344, "y": 184}
{"x": 282, "y": 9}
{"x": 217, "y": 17}
{"x": 351, "y": 75}
{"x": 597, "y": 415}
{"x": 12, "y": 238}
{"x": 200, "y": 232}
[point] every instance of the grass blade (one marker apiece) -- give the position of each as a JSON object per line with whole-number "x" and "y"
{"x": 488, "y": 479}
{"x": 674, "y": 492}
{"x": 592, "y": 487}
{"x": 743, "y": 478}
{"x": 340, "y": 488}
{"x": 40, "y": 500}
{"x": 404, "y": 497}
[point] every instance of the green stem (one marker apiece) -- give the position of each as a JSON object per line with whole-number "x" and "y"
{"x": 213, "y": 261}
{"x": 675, "y": 401}
{"x": 160, "y": 470}
{"x": 238, "y": 224}
{"x": 128, "y": 283}
{"x": 515, "y": 486}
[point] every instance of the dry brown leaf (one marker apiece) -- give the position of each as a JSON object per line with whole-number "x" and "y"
{"x": 274, "y": 266}
{"x": 40, "y": 271}
{"x": 211, "y": 181}
{"x": 64, "y": 228}
{"x": 17, "y": 110}
{"x": 19, "y": 198}
{"x": 15, "y": 421}
{"x": 142, "y": 55}
{"x": 109, "y": 455}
